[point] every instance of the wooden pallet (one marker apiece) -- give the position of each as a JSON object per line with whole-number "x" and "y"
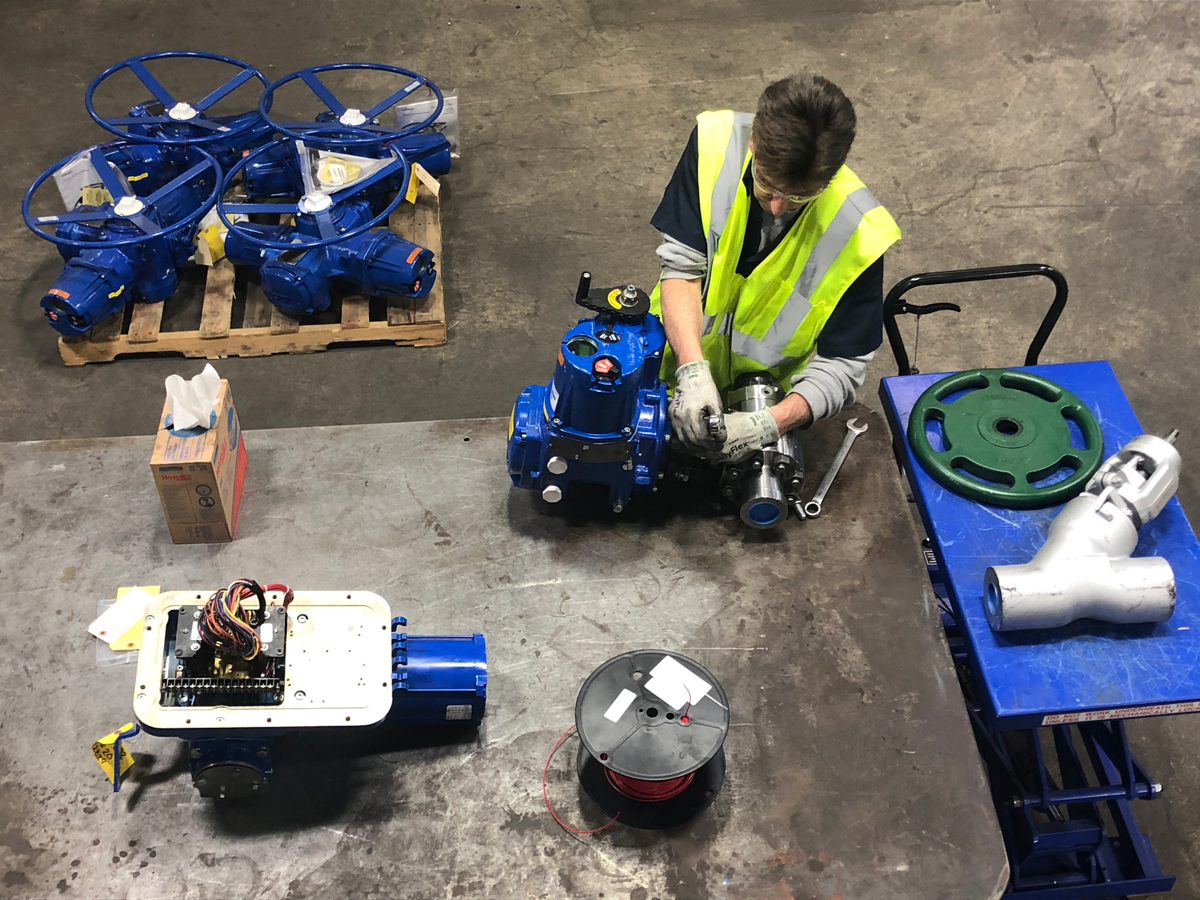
{"x": 265, "y": 330}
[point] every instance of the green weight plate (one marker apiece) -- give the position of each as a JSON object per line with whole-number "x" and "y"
{"x": 1009, "y": 429}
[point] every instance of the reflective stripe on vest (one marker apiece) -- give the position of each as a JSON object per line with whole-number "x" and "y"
{"x": 770, "y": 350}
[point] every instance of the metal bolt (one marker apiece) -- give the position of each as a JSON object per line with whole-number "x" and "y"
{"x": 552, "y": 493}
{"x": 197, "y": 753}
{"x": 196, "y": 614}
{"x": 195, "y": 646}
{"x": 556, "y": 465}
{"x": 660, "y": 476}
{"x": 626, "y": 430}
{"x": 179, "y": 652}
{"x": 1018, "y": 803}
{"x": 262, "y": 751}
{"x": 617, "y": 507}
{"x": 254, "y": 787}
{"x": 757, "y": 464}
{"x": 556, "y": 420}
{"x": 1155, "y": 788}
{"x": 629, "y": 296}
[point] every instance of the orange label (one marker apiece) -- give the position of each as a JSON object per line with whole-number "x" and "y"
{"x": 416, "y": 252}
{"x": 59, "y": 293}
{"x": 560, "y": 356}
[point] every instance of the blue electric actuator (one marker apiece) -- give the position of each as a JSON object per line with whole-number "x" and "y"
{"x": 602, "y": 419}
{"x": 231, "y": 671}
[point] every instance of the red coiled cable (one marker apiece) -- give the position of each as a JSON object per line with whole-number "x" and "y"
{"x": 648, "y": 791}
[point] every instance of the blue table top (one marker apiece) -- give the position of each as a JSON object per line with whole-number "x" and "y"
{"x": 1031, "y": 678}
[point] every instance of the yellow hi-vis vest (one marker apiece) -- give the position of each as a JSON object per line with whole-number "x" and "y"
{"x": 770, "y": 319}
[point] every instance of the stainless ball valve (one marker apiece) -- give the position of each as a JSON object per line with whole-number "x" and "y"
{"x": 1084, "y": 570}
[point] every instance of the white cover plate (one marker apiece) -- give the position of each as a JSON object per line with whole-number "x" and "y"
{"x": 338, "y": 666}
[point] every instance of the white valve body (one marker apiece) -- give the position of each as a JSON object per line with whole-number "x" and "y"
{"x": 1084, "y": 570}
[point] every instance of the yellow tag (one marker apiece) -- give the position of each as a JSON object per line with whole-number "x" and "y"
{"x": 214, "y": 242}
{"x": 96, "y": 195}
{"x": 131, "y": 639}
{"x": 103, "y": 751}
{"x": 614, "y": 298}
{"x": 411, "y": 194}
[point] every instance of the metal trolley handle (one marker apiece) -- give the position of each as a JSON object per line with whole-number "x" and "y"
{"x": 894, "y": 306}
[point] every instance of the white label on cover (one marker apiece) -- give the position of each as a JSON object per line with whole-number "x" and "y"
{"x": 1129, "y": 712}
{"x": 266, "y": 632}
{"x": 617, "y": 708}
{"x": 458, "y": 712}
{"x": 676, "y": 684}
{"x": 195, "y": 629}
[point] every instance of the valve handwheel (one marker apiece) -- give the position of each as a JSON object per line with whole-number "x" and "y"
{"x": 188, "y": 122}
{"x": 1010, "y": 431}
{"x": 315, "y": 203}
{"x": 125, "y": 205}
{"x": 350, "y": 126}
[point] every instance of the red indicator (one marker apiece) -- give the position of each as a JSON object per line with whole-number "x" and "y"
{"x": 602, "y": 366}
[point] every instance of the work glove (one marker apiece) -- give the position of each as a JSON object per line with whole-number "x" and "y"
{"x": 747, "y": 432}
{"x": 696, "y": 398}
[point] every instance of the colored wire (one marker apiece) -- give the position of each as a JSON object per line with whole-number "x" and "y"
{"x": 228, "y": 626}
{"x": 648, "y": 791}
{"x": 546, "y": 793}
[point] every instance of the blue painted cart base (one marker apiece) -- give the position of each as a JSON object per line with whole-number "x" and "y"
{"x": 1048, "y": 707}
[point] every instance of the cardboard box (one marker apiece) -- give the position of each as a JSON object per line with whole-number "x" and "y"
{"x": 199, "y": 475}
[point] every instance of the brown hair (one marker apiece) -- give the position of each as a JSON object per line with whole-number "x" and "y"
{"x": 802, "y": 133}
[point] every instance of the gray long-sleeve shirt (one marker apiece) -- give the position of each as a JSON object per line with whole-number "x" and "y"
{"x": 826, "y": 383}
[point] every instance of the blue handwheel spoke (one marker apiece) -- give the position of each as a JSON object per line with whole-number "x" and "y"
{"x": 141, "y": 120}
{"x": 392, "y": 99}
{"x": 143, "y": 74}
{"x": 371, "y": 179}
{"x": 249, "y": 209}
{"x": 228, "y": 87}
{"x": 326, "y": 95}
{"x": 176, "y": 182}
{"x": 210, "y": 124}
{"x": 325, "y": 224}
{"x": 93, "y": 215}
{"x": 145, "y": 223}
{"x": 100, "y": 163}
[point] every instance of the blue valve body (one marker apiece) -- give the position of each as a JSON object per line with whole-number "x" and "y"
{"x": 603, "y": 414}
{"x": 299, "y": 281}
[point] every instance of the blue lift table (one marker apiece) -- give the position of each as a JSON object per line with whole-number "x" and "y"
{"x": 1036, "y": 697}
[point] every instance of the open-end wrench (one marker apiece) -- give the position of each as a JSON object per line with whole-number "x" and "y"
{"x": 812, "y": 508}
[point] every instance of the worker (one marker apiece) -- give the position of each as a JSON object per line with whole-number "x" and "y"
{"x": 772, "y": 259}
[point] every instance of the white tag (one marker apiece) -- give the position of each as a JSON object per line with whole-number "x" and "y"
{"x": 121, "y": 616}
{"x": 675, "y": 684}
{"x": 266, "y": 632}
{"x": 617, "y": 708}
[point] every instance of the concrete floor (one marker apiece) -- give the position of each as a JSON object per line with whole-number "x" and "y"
{"x": 1063, "y": 132}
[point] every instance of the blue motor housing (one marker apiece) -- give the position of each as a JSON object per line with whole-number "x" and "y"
{"x": 438, "y": 679}
{"x": 299, "y": 281}
{"x": 602, "y": 419}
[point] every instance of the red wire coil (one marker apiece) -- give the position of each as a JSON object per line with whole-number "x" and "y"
{"x": 648, "y": 791}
